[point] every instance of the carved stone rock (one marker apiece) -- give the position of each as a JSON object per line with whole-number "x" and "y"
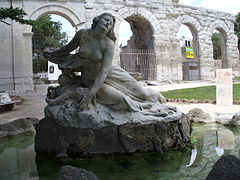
{"x": 227, "y": 167}
{"x": 18, "y": 126}
{"x": 128, "y": 137}
{"x": 236, "y": 119}
{"x": 198, "y": 115}
{"x": 70, "y": 173}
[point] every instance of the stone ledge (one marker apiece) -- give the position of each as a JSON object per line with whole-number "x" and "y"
{"x": 19, "y": 126}
{"x": 237, "y": 102}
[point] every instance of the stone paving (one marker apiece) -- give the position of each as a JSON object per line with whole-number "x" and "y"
{"x": 32, "y": 106}
{"x": 34, "y": 103}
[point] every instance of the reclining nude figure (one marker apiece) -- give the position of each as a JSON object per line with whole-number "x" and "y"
{"x": 106, "y": 83}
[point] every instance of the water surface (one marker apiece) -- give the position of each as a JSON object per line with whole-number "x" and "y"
{"x": 18, "y": 160}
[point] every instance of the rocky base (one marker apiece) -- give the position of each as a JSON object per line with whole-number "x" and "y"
{"x": 199, "y": 116}
{"x": 18, "y": 126}
{"x": 158, "y": 136}
{"x": 227, "y": 167}
{"x": 197, "y": 101}
{"x": 70, "y": 172}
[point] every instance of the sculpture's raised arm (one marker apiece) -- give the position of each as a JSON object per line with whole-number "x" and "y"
{"x": 65, "y": 50}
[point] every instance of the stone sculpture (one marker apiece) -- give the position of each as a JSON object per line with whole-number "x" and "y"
{"x": 103, "y": 96}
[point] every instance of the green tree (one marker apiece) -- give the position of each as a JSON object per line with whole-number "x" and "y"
{"x": 237, "y": 25}
{"x": 216, "y": 40}
{"x": 237, "y": 29}
{"x": 46, "y": 34}
{"x": 15, "y": 14}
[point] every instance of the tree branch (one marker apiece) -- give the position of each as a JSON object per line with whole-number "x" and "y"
{"x": 4, "y": 22}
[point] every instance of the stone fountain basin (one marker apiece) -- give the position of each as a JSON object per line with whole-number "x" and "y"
{"x": 155, "y": 135}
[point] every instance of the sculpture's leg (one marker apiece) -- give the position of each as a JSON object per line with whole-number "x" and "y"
{"x": 120, "y": 79}
{"x": 108, "y": 95}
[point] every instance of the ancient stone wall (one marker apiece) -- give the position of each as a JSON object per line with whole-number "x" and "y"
{"x": 164, "y": 16}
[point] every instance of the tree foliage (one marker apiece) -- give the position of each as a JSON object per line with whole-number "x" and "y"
{"x": 46, "y": 34}
{"x": 237, "y": 25}
{"x": 16, "y": 14}
{"x": 237, "y": 29}
{"x": 216, "y": 40}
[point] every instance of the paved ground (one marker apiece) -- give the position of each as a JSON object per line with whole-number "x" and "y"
{"x": 34, "y": 103}
{"x": 33, "y": 106}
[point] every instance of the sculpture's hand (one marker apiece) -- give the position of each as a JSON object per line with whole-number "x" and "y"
{"x": 49, "y": 52}
{"x": 86, "y": 100}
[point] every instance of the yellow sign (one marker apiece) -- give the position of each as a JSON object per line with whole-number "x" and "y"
{"x": 189, "y": 53}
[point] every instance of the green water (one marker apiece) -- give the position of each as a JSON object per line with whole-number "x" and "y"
{"x": 18, "y": 160}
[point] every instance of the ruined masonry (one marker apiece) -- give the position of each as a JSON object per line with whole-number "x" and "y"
{"x": 158, "y": 21}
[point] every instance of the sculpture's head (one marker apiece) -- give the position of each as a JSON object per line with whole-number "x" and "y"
{"x": 107, "y": 17}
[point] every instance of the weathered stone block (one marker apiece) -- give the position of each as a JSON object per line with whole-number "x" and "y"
{"x": 70, "y": 172}
{"x": 137, "y": 137}
{"x": 19, "y": 126}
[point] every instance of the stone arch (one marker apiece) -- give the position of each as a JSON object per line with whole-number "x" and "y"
{"x": 190, "y": 22}
{"x": 223, "y": 30}
{"x": 76, "y": 20}
{"x": 145, "y": 27}
{"x": 191, "y": 67}
{"x": 66, "y": 12}
{"x": 142, "y": 12}
{"x": 137, "y": 16}
{"x": 221, "y": 26}
{"x": 194, "y": 27}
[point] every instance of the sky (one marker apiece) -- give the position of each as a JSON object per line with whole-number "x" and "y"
{"x": 124, "y": 33}
{"x": 229, "y": 6}
{"x": 66, "y": 26}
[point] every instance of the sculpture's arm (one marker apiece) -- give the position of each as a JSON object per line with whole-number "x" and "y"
{"x": 65, "y": 50}
{"x": 102, "y": 74}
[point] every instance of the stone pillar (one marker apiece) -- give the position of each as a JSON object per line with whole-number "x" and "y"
{"x": 6, "y": 68}
{"x": 233, "y": 54}
{"x": 27, "y": 58}
{"x": 207, "y": 65}
{"x": 176, "y": 59}
{"x": 166, "y": 61}
{"x": 17, "y": 57}
{"x": 157, "y": 48}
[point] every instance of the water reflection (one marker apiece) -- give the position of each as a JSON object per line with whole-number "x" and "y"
{"x": 18, "y": 161}
{"x": 17, "y": 158}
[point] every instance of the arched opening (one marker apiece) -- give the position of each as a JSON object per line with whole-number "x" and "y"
{"x": 138, "y": 56}
{"x": 190, "y": 52}
{"x": 51, "y": 31}
{"x": 125, "y": 34}
{"x": 219, "y": 48}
